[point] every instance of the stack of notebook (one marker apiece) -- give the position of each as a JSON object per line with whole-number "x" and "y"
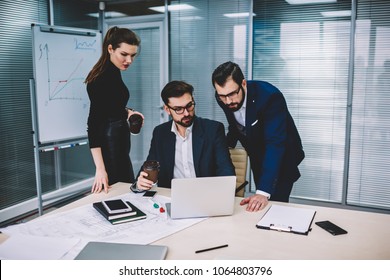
{"x": 135, "y": 214}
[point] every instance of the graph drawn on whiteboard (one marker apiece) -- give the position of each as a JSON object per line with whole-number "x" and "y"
{"x": 62, "y": 59}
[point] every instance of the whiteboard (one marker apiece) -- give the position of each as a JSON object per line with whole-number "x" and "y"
{"x": 62, "y": 58}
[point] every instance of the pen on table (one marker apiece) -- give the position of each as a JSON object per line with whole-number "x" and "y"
{"x": 212, "y": 248}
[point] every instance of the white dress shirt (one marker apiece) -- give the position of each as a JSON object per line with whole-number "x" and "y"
{"x": 240, "y": 114}
{"x": 184, "y": 160}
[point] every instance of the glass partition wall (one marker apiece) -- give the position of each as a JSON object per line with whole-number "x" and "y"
{"x": 303, "y": 49}
{"x": 330, "y": 59}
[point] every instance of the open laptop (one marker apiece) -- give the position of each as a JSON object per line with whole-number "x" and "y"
{"x": 202, "y": 197}
{"x": 121, "y": 251}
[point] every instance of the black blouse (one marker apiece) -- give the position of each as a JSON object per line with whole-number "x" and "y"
{"x": 108, "y": 95}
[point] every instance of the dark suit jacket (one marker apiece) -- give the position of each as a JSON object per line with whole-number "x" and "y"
{"x": 272, "y": 140}
{"x": 209, "y": 146}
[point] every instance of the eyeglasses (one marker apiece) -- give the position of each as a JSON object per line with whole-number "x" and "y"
{"x": 230, "y": 95}
{"x": 180, "y": 110}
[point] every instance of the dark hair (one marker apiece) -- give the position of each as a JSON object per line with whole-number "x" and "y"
{"x": 114, "y": 36}
{"x": 175, "y": 89}
{"x": 226, "y": 70}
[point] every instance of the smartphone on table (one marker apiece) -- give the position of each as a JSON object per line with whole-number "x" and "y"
{"x": 331, "y": 227}
{"x": 150, "y": 193}
{"x": 116, "y": 206}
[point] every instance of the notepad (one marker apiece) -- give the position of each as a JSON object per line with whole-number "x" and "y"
{"x": 114, "y": 219}
{"x": 287, "y": 219}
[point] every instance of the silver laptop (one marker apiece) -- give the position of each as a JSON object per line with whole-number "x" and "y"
{"x": 121, "y": 251}
{"x": 202, "y": 197}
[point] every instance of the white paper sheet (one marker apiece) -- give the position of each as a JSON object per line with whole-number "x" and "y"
{"x": 87, "y": 224}
{"x": 287, "y": 218}
{"x": 29, "y": 247}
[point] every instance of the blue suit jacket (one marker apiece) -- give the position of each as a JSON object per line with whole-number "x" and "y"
{"x": 272, "y": 140}
{"x": 210, "y": 151}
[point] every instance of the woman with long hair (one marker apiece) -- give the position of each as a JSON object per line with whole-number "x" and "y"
{"x": 108, "y": 131}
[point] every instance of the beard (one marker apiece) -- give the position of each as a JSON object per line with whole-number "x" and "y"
{"x": 236, "y": 106}
{"x": 186, "y": 121}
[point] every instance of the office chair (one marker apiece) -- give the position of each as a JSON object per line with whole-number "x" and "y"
{"x": 240, "y": 161}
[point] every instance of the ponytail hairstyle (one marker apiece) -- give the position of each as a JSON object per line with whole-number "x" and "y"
{"x": 114, "y": 36}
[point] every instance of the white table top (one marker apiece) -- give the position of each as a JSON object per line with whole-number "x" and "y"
{"x": 367, "y": 238}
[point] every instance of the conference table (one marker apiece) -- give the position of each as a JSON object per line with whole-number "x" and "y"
{"x": 367, "y": 238}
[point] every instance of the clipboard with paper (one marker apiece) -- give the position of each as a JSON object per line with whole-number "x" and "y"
{"x": 287, "y": 219}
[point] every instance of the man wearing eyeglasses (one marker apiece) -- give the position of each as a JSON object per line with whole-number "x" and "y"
{"x": 258, "y": 117}
{"x": 186, "y": 146}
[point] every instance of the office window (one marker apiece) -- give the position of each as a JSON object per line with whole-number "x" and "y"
{"x": 204, "y": 34}
{"x": 76, "y": 13}
{"x": 368, "y": 183}
{"x": 17, "y": 167}
{"x": 304, "y": 51}
{"x": 17, "y": 171}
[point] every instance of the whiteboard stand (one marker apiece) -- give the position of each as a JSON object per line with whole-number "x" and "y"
{"x": 46, "y": 148}
{"x": 36, "y": 147}
{"x": 62, "y": 58}
{"x": 57, "y": 164}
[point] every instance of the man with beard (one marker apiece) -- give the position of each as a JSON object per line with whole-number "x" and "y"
{"x": 259, "y": 118}
{"x": 186, "y": 146}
